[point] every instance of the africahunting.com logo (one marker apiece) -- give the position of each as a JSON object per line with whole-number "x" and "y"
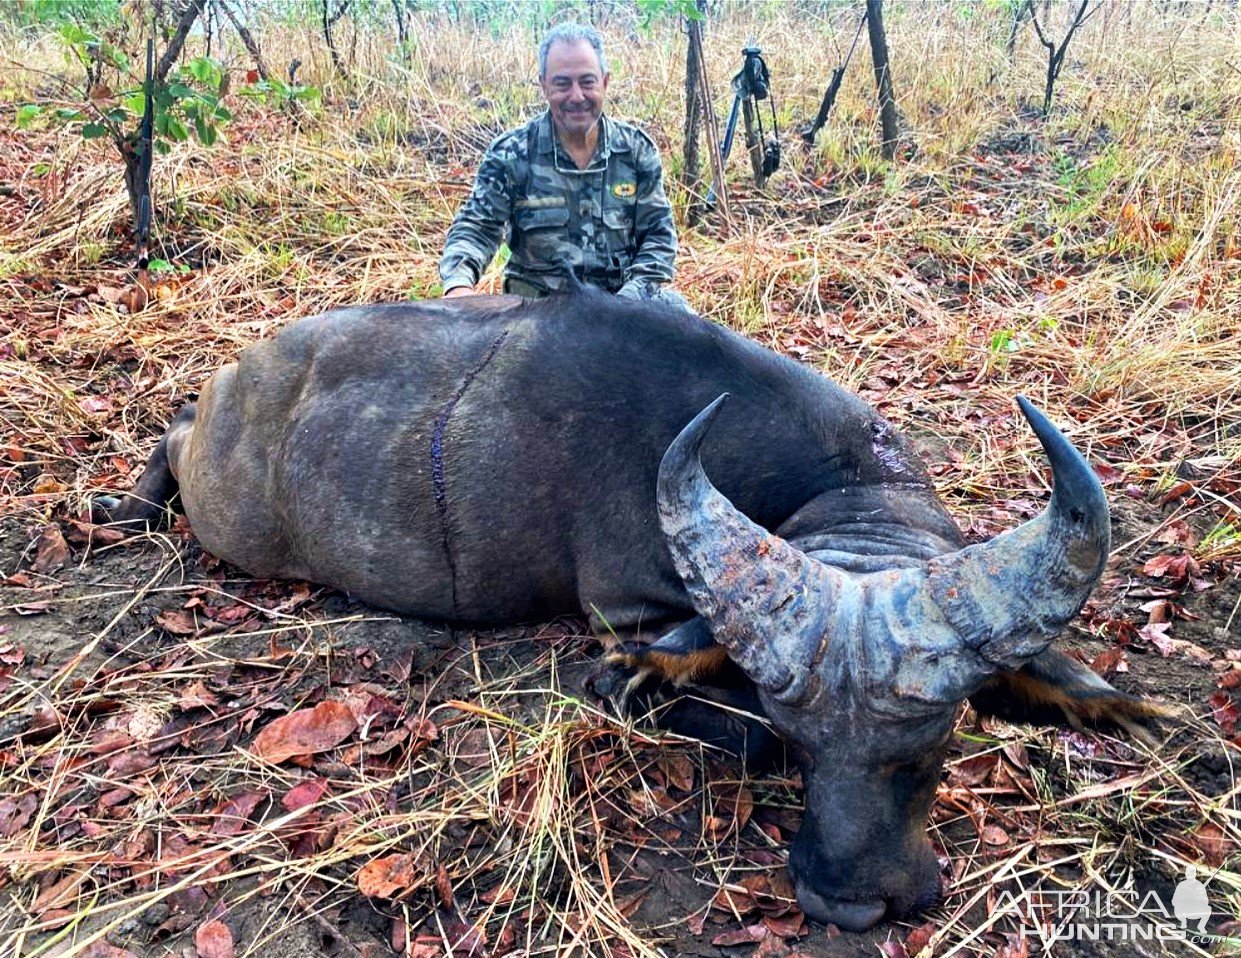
{"x": 1115, "y": 915}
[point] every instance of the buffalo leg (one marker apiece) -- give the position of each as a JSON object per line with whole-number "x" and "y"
{"x": 732, "y": 720}
{"x": 1055, "y": 689}
{"x": 686, "y": 655}
{"x": 143, "y": 508}
{"x": 686, "y": 683}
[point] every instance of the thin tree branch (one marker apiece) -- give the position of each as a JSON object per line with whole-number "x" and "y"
{"x": 247, "y": 41}
{"x": 329, "y": 21}
{"x": 192, "y": 11}
{"x": 340, "y": 12}
{"x": 1038, "y": 29}
{"x": 1077, "y": 22}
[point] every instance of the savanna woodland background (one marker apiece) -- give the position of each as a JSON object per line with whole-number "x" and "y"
{"x": 194, "y": 762}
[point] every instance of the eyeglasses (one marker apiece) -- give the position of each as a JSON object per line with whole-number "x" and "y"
{"x": 598, "y": 166}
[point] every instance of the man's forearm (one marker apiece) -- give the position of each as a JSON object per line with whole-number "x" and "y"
{"x": 654, "y": 233}
{"x": 657, "y": 252}
{"x": 465, "y": 256}
{"x": 477, "y": 229}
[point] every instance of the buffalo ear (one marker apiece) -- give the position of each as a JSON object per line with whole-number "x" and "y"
{"x": 1055, "y": 689}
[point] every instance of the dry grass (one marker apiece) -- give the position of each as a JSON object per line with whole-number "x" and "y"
{"x": 1090, "y": 261}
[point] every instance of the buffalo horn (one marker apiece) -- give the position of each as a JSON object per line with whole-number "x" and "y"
{"x": 767, "y": 603}
{"x": 1005, "y": 599}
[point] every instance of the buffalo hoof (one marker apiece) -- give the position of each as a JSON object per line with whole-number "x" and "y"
{"x": 103, "y": 509}
{"x": 729, "y": 719}
{"x": 128, "y": 515}
{"x": 618, "y": 681}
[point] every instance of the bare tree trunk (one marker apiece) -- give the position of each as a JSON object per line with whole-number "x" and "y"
{"x": 402, "y": 29}
{"x": 329, "y": 20}
{"x": 1055, "y": 54}
{"x": 136, "y": 148}
{"x": 693, "y": 119}
{"x": 247, "y": 40}
{"x": 1020, "y": 12}
{"x": 883, "y": 76}
{"x": 188, "y": 16}
{"x": 711, "y": 127}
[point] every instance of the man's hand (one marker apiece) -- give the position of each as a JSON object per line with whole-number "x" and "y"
{"x": 461, "y": 291}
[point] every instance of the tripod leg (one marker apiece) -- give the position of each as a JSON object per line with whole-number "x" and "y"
{"x": 753, "y": 143}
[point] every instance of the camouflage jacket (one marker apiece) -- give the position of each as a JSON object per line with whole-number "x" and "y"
{"x": 610, "y": 221}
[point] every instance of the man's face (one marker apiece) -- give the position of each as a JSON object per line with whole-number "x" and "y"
{"x": 574, "y": 86}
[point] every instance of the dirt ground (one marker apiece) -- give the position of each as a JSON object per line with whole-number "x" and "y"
{"x": 119, "y": 609}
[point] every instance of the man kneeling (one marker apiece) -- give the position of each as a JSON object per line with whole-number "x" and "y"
{"x": 570, "y": 187}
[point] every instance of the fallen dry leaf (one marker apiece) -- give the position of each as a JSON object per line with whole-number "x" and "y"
{"x": 1177, "y": 533}
{"x": 1158, "y": 636}
{"x": 1015, "y": 946}
{"x": 1109, "y": 661}
{"x": 1108, "y": 474}
{"x": 87, "y": 533}
{"x": 214, "y": 940}
{"x": 305, "y": 793}
{"x": 1215, "y": 845}
{"x": 232, "y": 815}
{"x": 465, "y": 941}
{"x": 305, "y": 732}
{"x": 101, "y": 949}
{"x": 53, "y": 551}
{"x": 391, "y": 876}
{"x": 773, "y": 946}
{"x": 1158, "y": 611}
{"x": 973, "y": 769}
{"x": 443, "y": 886}
{"x": 741, "y": 936}
{"x": 733, "y": 807}
{"x": 95, "y": 405}
{"x": 426, "y": 946}
{"x": 176, "y": 622}
{"x": 920, "y": 937}
{"x": 48, "y": 485}
{"x": 59, "y": 894}
{"x": 1225, "y": 712}
{"x": 629, "y": 905}
{"x": 678, "y": 769}
{"x": 15, "y": 813}
{"x": 735, "y": 901}
{"x": 785, "y": 926}
{"x": 1175, "y": 567}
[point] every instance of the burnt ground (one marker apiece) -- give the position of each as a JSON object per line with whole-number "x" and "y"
{"x": 214, "y": 656}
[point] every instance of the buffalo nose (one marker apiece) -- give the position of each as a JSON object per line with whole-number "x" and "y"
{"x": 846, "y": 915}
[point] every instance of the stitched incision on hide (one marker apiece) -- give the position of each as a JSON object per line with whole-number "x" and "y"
{"x": 437, "y": 459}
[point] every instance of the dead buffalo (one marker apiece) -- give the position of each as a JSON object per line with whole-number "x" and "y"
{"x": 494, "y": 460}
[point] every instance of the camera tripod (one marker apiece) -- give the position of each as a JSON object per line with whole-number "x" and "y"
{"x": 750, "y": 85}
